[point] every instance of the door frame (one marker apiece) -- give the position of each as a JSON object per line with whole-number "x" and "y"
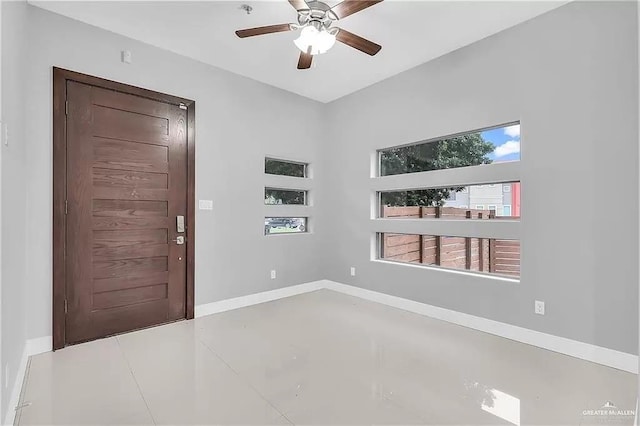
{"x": 60, "y": 78}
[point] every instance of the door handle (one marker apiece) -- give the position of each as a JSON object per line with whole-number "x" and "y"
{"x": 179, "y": 240}
{"x": 179, "y": 223}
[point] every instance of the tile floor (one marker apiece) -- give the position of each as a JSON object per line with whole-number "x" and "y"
{"x": 317, "y": 358}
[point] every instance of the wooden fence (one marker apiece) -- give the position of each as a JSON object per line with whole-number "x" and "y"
{"x": 473, "y": 254}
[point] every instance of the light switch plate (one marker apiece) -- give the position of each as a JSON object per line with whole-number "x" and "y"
{"x": 273, "y": 274}
{"x": 353, "y": 271}
{"x": 5, "y": 133}
{"x": 126, "y": 56}
{"x": 206, "y": 204}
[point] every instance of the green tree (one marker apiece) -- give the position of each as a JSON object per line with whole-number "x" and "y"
{"x": 466, "y": 150}
{"x": 285, "y": 168}
{"x": 284, "y": 196}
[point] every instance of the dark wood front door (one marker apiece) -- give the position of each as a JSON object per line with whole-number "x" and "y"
{"x": 126, "y": 187}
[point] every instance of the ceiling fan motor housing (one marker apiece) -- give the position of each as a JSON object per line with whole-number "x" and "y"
{"x": 318, "y": 14}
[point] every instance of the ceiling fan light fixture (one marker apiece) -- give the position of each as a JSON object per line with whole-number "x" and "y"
{"x": 315, "y": 41}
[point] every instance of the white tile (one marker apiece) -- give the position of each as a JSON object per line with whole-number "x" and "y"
{"x": 318, "y": 358}
{"x": 84, "y": 384}
{"x": 183, "y": 382}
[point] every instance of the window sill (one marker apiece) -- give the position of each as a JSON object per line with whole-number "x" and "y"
{"x": 454, "y": 271}
{"x": 279, "y": 234}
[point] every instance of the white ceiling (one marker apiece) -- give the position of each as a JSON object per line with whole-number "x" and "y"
{"x": 411, "y": 33}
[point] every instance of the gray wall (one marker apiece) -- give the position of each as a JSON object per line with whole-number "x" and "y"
{"x": 239, "y": 121}
{"x": 571, "y": 77}
{"x": 13, "y": 185}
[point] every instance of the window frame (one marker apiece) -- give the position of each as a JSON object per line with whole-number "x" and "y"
{"x": 305, "y": 165}
{"x": 497, "y": 172}
{"x": 305, "y": 231}
{"x": 304, "y": 191}
{"x": 380, "y": 206}
{"x": 379, "y": 242}
{"x": 437, "y": 139}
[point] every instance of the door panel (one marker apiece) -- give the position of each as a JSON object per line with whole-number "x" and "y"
{"x": 131, "y": 126}
{"x": 127, "y": 155}
{"x": 126, "y": 183}
{"x": 115, "y": 245}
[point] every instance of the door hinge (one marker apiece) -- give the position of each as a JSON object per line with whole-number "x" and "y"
{"x": 66, "y": 107}
{"x": 66, "y": 308}
{"x": 66, "y": 206}
{"x": 182, "y": 106}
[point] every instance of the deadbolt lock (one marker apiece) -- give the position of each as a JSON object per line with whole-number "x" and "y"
{"x": 179, "y": 240}
{"x": 179, "y": 223}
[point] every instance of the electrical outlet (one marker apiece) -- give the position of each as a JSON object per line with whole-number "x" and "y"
{"x": 539, "y": 307}
{"x": 6, "y": 376}
{"x": 353, "y": 271}
{"x": 5, "y": 133}
{"x": 273, "y": 274}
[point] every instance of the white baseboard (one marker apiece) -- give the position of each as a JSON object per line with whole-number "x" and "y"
{"x": 609, "y": 357}
{"x": 254, "y": 299}
{"x": 16, "y": 389}
{"x": 31, "y": 347}
{"x": 39, "y": 345}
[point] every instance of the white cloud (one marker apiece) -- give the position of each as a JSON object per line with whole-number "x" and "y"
{"x": 510, "y": 147}
{"x": 512, "y": 131}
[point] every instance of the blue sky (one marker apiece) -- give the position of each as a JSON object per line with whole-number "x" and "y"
{"x": 507, "y": 143}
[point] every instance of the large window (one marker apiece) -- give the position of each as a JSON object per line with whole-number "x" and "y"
{"x": 469, "y": 149}
{"x": 490, "y": 255}
{"x": 450, "y": 203}
{"x": 285, "y": 168}
{"x": 469, "y": 217}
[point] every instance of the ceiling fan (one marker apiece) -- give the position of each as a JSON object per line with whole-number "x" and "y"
{"x": 317, "y": 35}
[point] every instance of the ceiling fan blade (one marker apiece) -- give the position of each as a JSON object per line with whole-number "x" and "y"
{"x": 349, "y": 7}
{"x": 357, "y": 42}
{"x": 269, "y": 29}
{"x": 304, "y": 62}
{"x": 299, "y": 4}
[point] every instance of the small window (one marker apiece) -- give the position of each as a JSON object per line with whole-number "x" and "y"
{"x": 486, "y": 255}
{"x": 479, "y": 207}
{"x": 506, "y": 210}
{"x": 487, "y": 146}
{"x": 284, "y": 196}
{"x": 285, "y": 168}
{"x": 494, "y": 208}
{"x": 285, "y": 225}
{"x": 506, "y": 188}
